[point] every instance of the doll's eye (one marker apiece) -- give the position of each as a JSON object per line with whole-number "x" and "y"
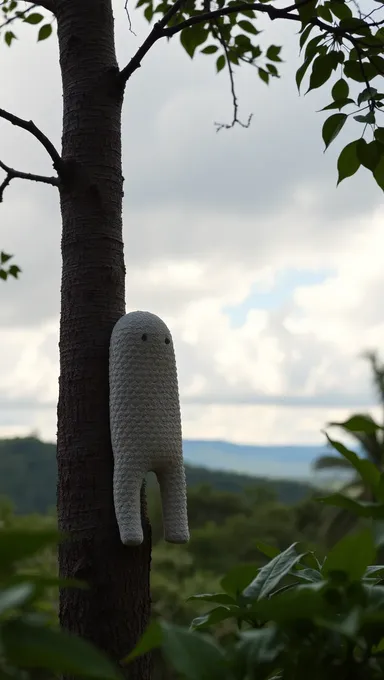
{"x": 167, "y": 341}
{"x": 144, "y": 337}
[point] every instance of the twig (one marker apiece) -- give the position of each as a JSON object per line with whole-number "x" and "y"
{"x": 235, "y": 120}
{"x": 129, "y": 18}
{"x": 17, "y": 174}
{"x": 46, "y": 4}
{"x": 30, "y": 127}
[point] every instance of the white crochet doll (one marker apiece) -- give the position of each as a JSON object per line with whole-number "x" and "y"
{"x": 145, "y": 425}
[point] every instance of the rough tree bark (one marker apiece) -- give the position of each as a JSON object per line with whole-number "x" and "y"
{"x": 114, "y": 612}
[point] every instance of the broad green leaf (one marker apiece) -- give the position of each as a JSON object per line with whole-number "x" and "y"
{"x": 311, "y": 575}
{"x": 215, "y": 616}
{"x": 369, "y": 156}
{"x": 367, "y": 94}
{"x": 347, "y": 625}
{"x": 338, "y": 104}
{"x": 44, "y": 32}
{"x": 348, "y": 162}
{"x": 340, "y": 9}
{"x": 273, "y": 53}
{"x": 264, "y": 75}
{"x": 220, "y": 63}
{"x": 195, "y": 655}
{"x": 16, "y": 596}
{"x": 33, "y": 646}
{"x": 332, "y": 126}
{"x": 321, "y": 71}
{"x": 33, "y": 18}
{"x": 378, "y": 173}
{"x": 192, "y": 37}
{"x": 324, "y": 13}
{"x": 368, "y": 119}
{"x": 272, "y": 574}
{"x": 305, "y": 35}
{"x": 339, "y": 501}
{"x": 358, "y": 423}
{"x": 366, "y": 469}
{"x": 351, "y": 555}
{"x": 238, "y": 578}
{"x": 152, "y": 638}
{"x": 248, "y": 27}
{"x": 210, "y": 49}
{"x": 359, "y": 72}
{"x": 8, "y": 37}
{"x": 306, "y": 10}
{"x": 340, "y": 89}
{"x": 268, "y": 550}
{"x": 379, "y": 135}
{"x": 260, "y": 646}
{"x": 220, "y": 598}
{"x": 301, "y": 602}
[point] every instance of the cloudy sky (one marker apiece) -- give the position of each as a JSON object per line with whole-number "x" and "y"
{"x": 269, "y": 276}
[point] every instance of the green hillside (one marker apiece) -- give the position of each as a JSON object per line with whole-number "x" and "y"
{"x": 28, "y": 477}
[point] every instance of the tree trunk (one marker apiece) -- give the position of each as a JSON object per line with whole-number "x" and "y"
{"x": 115, "y": 610}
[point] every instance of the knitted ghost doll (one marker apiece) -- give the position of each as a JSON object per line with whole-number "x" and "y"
{"x": 146, "y": 425}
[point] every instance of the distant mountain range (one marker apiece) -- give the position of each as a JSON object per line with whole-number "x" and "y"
{"x": 291, "y": 461}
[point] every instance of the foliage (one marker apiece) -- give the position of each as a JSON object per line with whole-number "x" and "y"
{"x": 296, "y": 610}
{"x": 9, "y": 269}
{"x": 363, "y": 474}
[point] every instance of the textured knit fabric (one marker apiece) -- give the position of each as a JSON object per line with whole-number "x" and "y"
{"x": 146, "y": 425}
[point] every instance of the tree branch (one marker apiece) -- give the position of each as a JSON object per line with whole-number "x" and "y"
{"x": 46, "y": 4}
{"x": 156, "y": 33}
{"x": 161, "y": 30}
{"x": 17, "y": 174}
{"x": 30, "y": 127}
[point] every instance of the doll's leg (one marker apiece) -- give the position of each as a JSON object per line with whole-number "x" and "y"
{"x": 174, "y": 502}
{"x": 127, "y": 482}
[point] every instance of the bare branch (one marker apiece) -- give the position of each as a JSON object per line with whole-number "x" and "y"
{"x": 235, "y": 119}
{"x": 30, "y": 126}
{"x": 17, "y": 174}
{"x": 129, "y": 18}
{"x": 46, "y": 4}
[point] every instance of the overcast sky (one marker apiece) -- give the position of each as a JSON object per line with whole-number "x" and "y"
{"x": 270, "y": 278}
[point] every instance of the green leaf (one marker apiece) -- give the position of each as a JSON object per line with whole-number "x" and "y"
{"x": 368, "y": 119}
{"x": 379, "y": 135}
{"x": 351, "y": 555}
{"x": 269, "y": 550}
{"x": 8, "y": 37}
{"x": 194, "y": 655}
{"x": 238, "y": 578}
{"x": 44, "y": 32}
{"x": 304, "y": 36}
{"x": 215, "y": 616}
{"x": 324, "y": 13}
{"x": 378, "y": 173}
{"x": 4, "y": 257}
{"x": 32, "y": 646}
{"x": 359, "y": 423}
{"x": 367, "y": 94}
{"x": 14, "y": 270}
{"x": 272, "y": 574}
{"x": 192, "y": 37}
{"x": 369, "y": 156}
{"x": 339, "y": 104}
{"x": 210, "y": 49}
{"x": 220, "y": 598}
{"x": 302, "y": 602}
{"x": 348, "y": 162}
{"x": 260, "y": 646}
{"x": 220, "y": 63}
{"x": 366, "y": 469}
{"x": 264, "y": 75}
{"x": 273, "y": 53}
{"x": 16, "y": 596}
{"x": 248, "y": 27}
{"x": 340, "y": 9}
{"x": 340, "y": 90}
{"x": 152, "y": 638}
{"x": 332, "y": 126}
{"x": 321, "y": 71}
{"x": 3, "y": 274}
{"x": 354, "y": 70}
{"x": 306, "y": 10}
{"x": 338, "y": 500}
{"x": 33, "y": 18}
